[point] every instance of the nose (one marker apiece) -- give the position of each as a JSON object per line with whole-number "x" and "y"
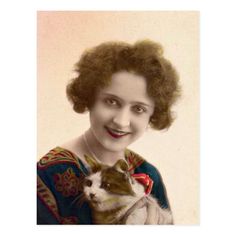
{"x": 122, "y": 118}
{"x": 92, "y": 195}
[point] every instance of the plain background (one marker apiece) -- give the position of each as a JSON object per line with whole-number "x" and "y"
{"x": 62, "y": 37}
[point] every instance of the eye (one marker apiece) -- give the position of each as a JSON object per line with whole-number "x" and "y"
{"x": 88, "y": 183}
{"x": 105, "y": 185}
{"x": 111, "y": 101}
{"x": 139, "y": 109}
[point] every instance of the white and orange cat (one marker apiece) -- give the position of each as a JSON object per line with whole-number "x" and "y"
{"x": 115, "y": 197}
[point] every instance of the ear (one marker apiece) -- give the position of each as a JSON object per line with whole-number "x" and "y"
{"x": 93, "y": 163}
{"x": 121, "y": 166}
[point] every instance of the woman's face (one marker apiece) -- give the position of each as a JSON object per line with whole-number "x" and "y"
{"x": 121, "y": 111}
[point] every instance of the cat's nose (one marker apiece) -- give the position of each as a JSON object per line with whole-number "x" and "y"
{"x": 92, "y": 195}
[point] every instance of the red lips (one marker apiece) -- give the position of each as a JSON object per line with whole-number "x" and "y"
{"x": 114, "y": 135}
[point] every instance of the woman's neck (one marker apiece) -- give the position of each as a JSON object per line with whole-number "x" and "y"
{"x": 96, "y": 149}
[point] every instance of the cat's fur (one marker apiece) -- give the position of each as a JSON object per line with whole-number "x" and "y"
{"x": 117, "y": 198}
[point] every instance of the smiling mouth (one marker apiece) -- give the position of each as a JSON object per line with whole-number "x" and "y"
{"x": 116, "y": 133}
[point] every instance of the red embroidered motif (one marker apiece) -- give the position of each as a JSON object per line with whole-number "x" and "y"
{"x": 67, "y": 183}
{"x": 145, "y": 180}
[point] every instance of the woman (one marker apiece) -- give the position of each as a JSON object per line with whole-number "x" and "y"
{"x": 125, "y": 88}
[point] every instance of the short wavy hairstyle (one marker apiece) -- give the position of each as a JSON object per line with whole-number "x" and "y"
{"x": 97, "y": 65}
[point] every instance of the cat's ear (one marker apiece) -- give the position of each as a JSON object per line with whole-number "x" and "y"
{"x": 121, "y": 165}
{"x": 93, "y": 163}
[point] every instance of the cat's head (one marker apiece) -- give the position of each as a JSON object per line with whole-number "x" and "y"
{"x": 107, "y": 185}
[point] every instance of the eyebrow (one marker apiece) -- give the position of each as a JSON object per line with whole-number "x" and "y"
{"x": 136, "y": 102}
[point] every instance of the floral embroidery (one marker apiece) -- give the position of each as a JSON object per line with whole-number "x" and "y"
{"x": 68, "y": 183}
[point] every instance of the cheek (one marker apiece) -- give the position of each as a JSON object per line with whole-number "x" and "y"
{"x": 100, "y": 115}
{"x": 86, "y": 191}
{"x": 102, "y": 194}
{"x": 140, "y": 124}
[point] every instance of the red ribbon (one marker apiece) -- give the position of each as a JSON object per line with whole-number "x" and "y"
{"x": 145, "y": 180}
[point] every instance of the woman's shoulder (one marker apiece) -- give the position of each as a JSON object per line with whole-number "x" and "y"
{"x": 57, "y": 156}
{"x": 58, "y": 166}
{"x": 139, "y": 164}
{"x": 60, "y": 175}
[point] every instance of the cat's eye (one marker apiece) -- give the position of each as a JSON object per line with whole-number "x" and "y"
{"x": 105, "y": 185}
{"x": 88, "y": 182}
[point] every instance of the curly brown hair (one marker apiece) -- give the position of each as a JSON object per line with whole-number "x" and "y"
{"x": 97, "y": 65}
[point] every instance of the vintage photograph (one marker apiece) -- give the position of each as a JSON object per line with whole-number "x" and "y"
{"x": 118, "y": 117}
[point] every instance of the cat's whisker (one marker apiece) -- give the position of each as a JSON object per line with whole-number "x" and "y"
{"x": 79, "y": 199}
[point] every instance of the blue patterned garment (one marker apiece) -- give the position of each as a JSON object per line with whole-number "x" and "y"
{"x": 59, "y": 186}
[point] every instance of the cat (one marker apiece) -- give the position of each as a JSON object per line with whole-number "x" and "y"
{"x": 115, "y": 197}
